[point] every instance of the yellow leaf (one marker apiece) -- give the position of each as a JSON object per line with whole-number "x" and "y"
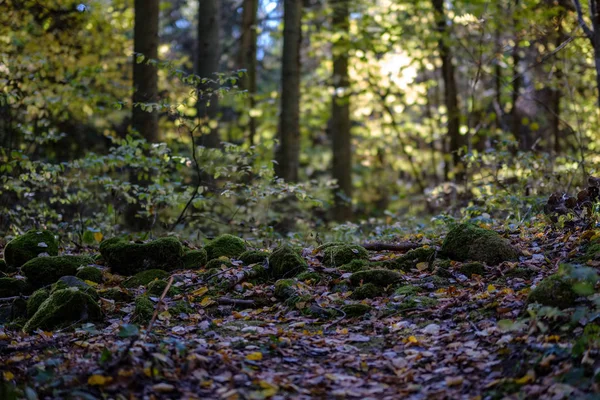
{"x": 200, "y": 291}
{"x": 91, "y": 283}
{"x": 207, "y": 301}
{"x": 99, "y": 380}
{"x": 413, "y": 340}
{"x": 422, "y": 266}
{"x": 8, "y": 375}
{"x": 98, "y": 236}
{"x": 454, "y": 380}
{"x": 256, "y": 356}
{"x": 491, "y": 288}
{"x": 527, "y": 378}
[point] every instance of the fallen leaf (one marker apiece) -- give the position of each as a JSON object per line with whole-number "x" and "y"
{"x": 256, "y": 356}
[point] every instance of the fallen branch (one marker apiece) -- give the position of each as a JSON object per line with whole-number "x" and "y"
{"x": 403, "y": 246}
{"x": 7, "y": 299}
{"x": 160, "y": 302}
{"x": 235, "y": 302}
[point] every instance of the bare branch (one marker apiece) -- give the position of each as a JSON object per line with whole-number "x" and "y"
{"x": 586, "y": 29}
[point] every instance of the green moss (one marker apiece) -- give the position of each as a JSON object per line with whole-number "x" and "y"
{"x": 554, "y": 291}
{"x": 156, "y": 288}
{"x": 442, "y": 268}
{"x": 35, "y": 301}
{"x": 354, "y": 266}
{"x": 253, "y": 257}
{"x": 116, "y": 294}
{"x": 13, "y": 287}
{"x": 355, "y": 310}
{"x": 92, "y": 274}
{"x": 417, "y": 302}
{"x": 474, "y": 268}
{"x": 63, "y": 308}
{"x": 145, "y": 277}
{"x": 380, "y": 277}
{"x": 327, "y": 245}
{"x": 469, "y": 242}
{"x": 284, "y": 288}
{"x": 42, "y": 271}
{"x": 409, "y": 260}
{"x": 219, "y": 263}
{"x": 195, "y": 259}
{"x": 225, "y": 246}
{"x": 144, "y": 308}
{"x": 284, "y": 262}
{"x": 592, "y": 252}
{"x": 367, "y": 291}
{"x": 520, "y": 272}
{"x": 68, "y": 281}
{"x": 28, "y": 246}
{"x": 309, "y": 276}
{"x": 128, "y": 258}
{"x": 181, "y": 307}
{"x": 407, "y": 290}
{"x": 336, "y": 256}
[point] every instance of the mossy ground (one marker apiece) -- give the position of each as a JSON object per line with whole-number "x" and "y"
{"x": 145, "y": 277}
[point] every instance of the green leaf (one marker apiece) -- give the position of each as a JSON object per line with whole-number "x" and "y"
{"x": 128, "y": 330}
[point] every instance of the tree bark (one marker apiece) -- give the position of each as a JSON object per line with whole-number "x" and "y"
{"x": 457, "y": 141}
{"x": 248, "y": 60}
{"x": 207, "y": 63}
{"x": 288, "y": 151}
{"x": 340, "y": 114}
{"x": 145, "y": 76}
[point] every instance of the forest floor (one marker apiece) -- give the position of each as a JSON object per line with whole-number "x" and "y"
{"x": 461, "y": 337}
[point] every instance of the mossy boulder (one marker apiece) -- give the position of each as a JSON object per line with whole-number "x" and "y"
{"x": 28, "y": 246}
{"x": 253, "y": 257}
{"x": 469, "y": 242}
{"x": 379, "y": 277}
{"x": 63, "y": 308}
{"x": 520, "y": 272}
{"x": 473, "y": 268}
{"x": 143, "y": 311}
{"x": 355, "y": 310}
{"x": 156, "y": 288}
{"x": 42, "y": 271}
{"x": 89, "y": 273}
{"x": 116, "y": 294}
{"x": 336, "y": 256}
{"x": 367, "y": 291}
{"x": 309, "y": 276}
{"x": 554, "y": 291}
{"x": 219, "y": 263}
{"x": 144, "y": 278}
{"x": 194, "y": 259}
{"x": 409, "y": 260}
{"x": 225, "y": 246}
{"x": 35, "y": 301}
{"x": 66, "y": 282}
{"x": 13, "y": 287}
{"x": 285, "y": 288}
{"x": 285, "y": 262}
{"x": 354, "y": 266}
{"x": 126, "y": 258}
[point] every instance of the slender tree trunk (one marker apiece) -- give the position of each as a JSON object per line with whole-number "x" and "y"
{"x": 248, "y": 60}
{"x": 145, "y": 77}
{"x": 556, "y": 93}
{"x": 516, "y": 125}
{"x": 340, "y": 114}
{"x": 288, "y": 151}
{"x": 457, "y": 141}
{"x": 207, "y": 63}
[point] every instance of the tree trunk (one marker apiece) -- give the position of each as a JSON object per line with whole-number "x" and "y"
{"x": 288, "y": 151}
{"x": 207, "y": 63}
{"x": 340, "y": 114}
{"x": 145, "y": 77}
{"x": 248, "y": 60}
{"x": 457, "y": 141}
{"x": 515, "y": 120}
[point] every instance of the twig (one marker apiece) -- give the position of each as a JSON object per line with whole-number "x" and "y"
{"x": 403, "y": 246}
{"x": 235, "y": 302}
{"x": 7, "y": 299}
{"x": 160, "y": 301}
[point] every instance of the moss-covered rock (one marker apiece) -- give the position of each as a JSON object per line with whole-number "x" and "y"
{"x": 354, "y": 266}
{"x": 28, "y": 246}
{"x": 336, "y": 256}
{"x": 66, "y": 282}
{"x": 42, "y": 271}
{"x": 379, "y": 277}
{"x": 144, "y": 278}
{"x": 409, "y": 260}
{"x": 284, "y": 262}
{"x": 63, "y": 308}
{"x": 156, "y": 288}
{"x": 116, "y": 294}
{"x": 219, "y": 263}
{"x": 127, "y": 258}
{"x": 355, "y": 310}
{"x": 442, "y": 268}
{"x": 554, "y": 291}
{"x": 520, "y": 272}
{"x": 195, "y": 259}
{"x": 367, "y": 291}
{"x": 89, "y": 273}
{"x": 309, "y": 276}
{"x": 473, "y": 268}
{"x": 13, "y": 287}
{"x": 35, "y": 301}
{"x": 144, "y": 308}
{"x": 284, "y": 288}
{"x": 327, "y": 245}
{"x": 225, "y": 246}
{"x": 407, "y": 290}
{"x": 417, "y": 302}
{"x": 253, "y": 257}
{"x": 469, "y": 242}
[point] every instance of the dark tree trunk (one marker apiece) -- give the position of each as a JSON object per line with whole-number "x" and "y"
{"x": 288, "y": 151}
{"x": 340, "y": 114}
{"x": 207, "y": 63}
{"x": 515, "y": 120}
{"x": 248, "y": 60}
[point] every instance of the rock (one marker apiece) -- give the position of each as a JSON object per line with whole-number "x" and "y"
{"x": 225, "y": 246}
{"x": 554, "y": 291}
{"x": 474, "y": 268}
{"x": 253, "y": 257}
{"x": 127, "y": 258}
{"x": 335, "y": 256}
{"x": 219, "y": 263}
{"x": 92, "y": 274}
{"x": 116, "y": 294}
{"x": 379, "y": 277}
{"x": 144, "y": 309}
{"x": 35, "y": 301}
{"x": 409, "y": 260}
{"x": 63, "y": 308}
{"x": 145, "y": 277}
{"x": 42, "y": 271}
{"x": 355, "y": 310}
{"x": 431, "y": 329}
{"x": 520, "y": 272}
{"x": 28, "y": 246}
{"x": 469, "y": 242}
{"x": 284, "y": 262}
{"x": 367, "y": 291}
{"x": 13, "y": 287}
{"x": 354, "y": 266}
{"x": 156, "y": 288}
{"x": 309, "y": 276}
{"x": 195, "y": 259}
